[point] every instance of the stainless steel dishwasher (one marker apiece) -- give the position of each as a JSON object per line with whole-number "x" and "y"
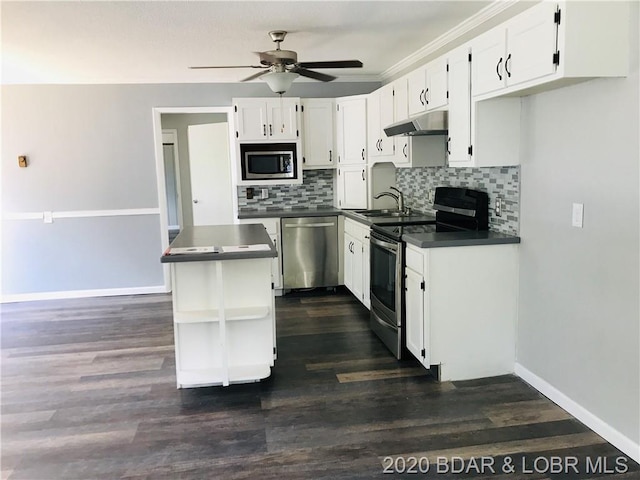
{"x": 310, "y": 252}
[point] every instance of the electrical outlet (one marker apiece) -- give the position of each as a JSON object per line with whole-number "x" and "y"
{"x": 249, "y": 193}
{"x": 498, "y": 207}
{"x": 430, "y": 195}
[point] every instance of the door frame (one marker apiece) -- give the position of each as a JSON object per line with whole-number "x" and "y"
{"x": 172, "y": 134}
{"x": 160, "y": 177}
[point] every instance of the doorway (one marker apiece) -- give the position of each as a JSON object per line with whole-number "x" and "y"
{"x": 173, "y": 166}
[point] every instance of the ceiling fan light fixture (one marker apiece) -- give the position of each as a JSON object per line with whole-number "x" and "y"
{"x": 279, "y": 82}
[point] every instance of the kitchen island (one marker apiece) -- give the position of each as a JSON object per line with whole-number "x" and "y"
{"x": 223, "y": 304}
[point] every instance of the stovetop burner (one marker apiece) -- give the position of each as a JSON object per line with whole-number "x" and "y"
{"x": 395, "y": 232}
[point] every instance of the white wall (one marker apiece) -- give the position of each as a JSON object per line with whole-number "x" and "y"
{"x": 91, "y": 153}
{"x": 579, "y": 320}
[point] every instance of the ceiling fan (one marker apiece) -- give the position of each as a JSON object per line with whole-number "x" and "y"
{"x": 279, "y": 68}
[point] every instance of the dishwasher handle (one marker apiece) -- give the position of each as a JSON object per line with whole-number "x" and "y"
{"x": 309, "y": 225}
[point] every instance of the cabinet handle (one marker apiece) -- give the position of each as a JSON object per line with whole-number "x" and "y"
{"x": 270, "y": 130}
{"x": 404, "y": 150}
{"x": 498, "y": 68}
{"x": 421, "y": 96}
{"x": 363, "y": 175}
{"x": 449, "y": 146}
{"x": 426, "y": 100}
{"x": 195, "y": 200}
{"x": 264, "y": 130}
{"x": 330, "y": 158}
{"x": 506, "y": 65}
{"x": 363, "y": 154}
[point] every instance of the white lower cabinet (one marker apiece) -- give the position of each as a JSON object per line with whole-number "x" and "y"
{"x": 273, "y": 229}
{"x": 222, "y": 335}
{"x": 461, "y": 308}
{"x": 356, "y": 260}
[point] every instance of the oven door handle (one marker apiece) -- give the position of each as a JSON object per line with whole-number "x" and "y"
{"x": 383, "y": 323}
{"x": 381, "y": 243}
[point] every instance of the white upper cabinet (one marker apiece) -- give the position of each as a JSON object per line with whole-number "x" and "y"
{"x": 266, "y": 119}
{"x": 380, "y": 114}
{"x": 521, "y": 50}
{"x": 437, "y": 92}
{"x": 318, "y": 133}
{"x": 352, "y": 186}
{"x": 351, "y": 130}
{"x": 551, "y": 44}
{"x": 428, "y": 87}
{"x": 459, "y": 136}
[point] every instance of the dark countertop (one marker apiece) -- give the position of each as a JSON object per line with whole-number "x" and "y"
{"x": 220, "y": 236}
{"x": 289, "y": 212}
{"x": 458, "y": 239}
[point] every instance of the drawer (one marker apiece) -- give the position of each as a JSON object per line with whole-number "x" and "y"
{"x": 355, "y": 229}
{"x": 414, "y": 259}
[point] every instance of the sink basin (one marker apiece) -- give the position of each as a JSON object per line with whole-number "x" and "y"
{"x": 382, "y": 213}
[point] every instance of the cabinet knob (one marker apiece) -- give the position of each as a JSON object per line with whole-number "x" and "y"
{"x": 195, "y": 200}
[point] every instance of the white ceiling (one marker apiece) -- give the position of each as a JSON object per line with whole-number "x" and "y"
{"x": 156, "y": 41}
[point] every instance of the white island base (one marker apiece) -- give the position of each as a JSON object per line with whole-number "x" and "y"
{"x": 224, "y": 321}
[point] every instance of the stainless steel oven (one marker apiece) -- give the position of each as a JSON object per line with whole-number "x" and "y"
{"x": 387, "y": 260}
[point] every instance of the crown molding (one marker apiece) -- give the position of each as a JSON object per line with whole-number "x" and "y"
{"x": 484, "y": 15}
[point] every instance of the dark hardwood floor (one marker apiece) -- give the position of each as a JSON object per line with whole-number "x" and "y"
{"x": 88, "y": 392}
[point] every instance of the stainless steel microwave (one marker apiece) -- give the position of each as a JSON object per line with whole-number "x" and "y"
{"x": 269, "y": 161}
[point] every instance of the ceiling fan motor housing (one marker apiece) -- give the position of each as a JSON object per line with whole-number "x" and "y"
{"x": 286, "y": 57}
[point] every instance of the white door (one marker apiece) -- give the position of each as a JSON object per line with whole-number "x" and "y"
{"x": 459, "y": 138}
{"x": 488, "y": 57}
{"x": 210, "y": 166}
{"x": 414, "y": 314}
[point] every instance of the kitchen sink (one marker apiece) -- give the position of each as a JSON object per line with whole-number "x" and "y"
{"x": 382, "y": 213}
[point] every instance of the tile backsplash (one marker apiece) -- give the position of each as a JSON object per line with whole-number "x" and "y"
{"x": 416, "y": 183}
{"x": 315, "y": 191}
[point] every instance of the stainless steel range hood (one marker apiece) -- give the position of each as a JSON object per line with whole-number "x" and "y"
{"x": 431, "y": 123}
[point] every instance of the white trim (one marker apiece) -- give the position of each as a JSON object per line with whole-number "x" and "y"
{"x": 592, "y": 421}
{"x": 104, "y": 292}
{"x": 171, "y": 134}
{"x": 484, "y": 15}
{"x": 82, "y": 213}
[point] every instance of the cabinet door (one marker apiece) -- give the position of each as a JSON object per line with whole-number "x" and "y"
{"x": 352, "y": 187}
{"x": 417, "y": 86}
{"x": 348, "y": 261}
{"x": 531, "y": 43}
{"x": 437, "y": 84}
{"x": 357, "y": 286}
{"x": 282, "y": 116}
{"x": 318, "y": 132}
{"x": 353, "y": 122}
{"x": 387, "y": 108}
{"x": 366, "y": 269}
{"x": 459, "y": 138}
{"x": 414, "y": 314}
{"x": 373, "y": 124}
{"x": 488, "y": 56}
{"x": 251, "y": 120}
{"x": 276, "y": 270}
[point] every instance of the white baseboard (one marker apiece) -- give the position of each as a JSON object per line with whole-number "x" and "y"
{"x": 606, "y": 431}
{"x": 104, "y": 292}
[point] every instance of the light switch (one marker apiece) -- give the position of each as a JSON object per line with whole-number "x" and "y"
{"x": 577, "y": 215}
{"x": 48, "y": 217}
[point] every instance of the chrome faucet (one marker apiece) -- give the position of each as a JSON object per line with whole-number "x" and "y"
{"x": 399, "y": 198}
{"x": 401, "y": 206}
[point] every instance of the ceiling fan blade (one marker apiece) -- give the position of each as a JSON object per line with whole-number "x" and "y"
{"x": 228, "y": 66}
{"x": 255, "y": 75}
{"x": 332, "y": 64}
{"x": 323, "y": 77}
